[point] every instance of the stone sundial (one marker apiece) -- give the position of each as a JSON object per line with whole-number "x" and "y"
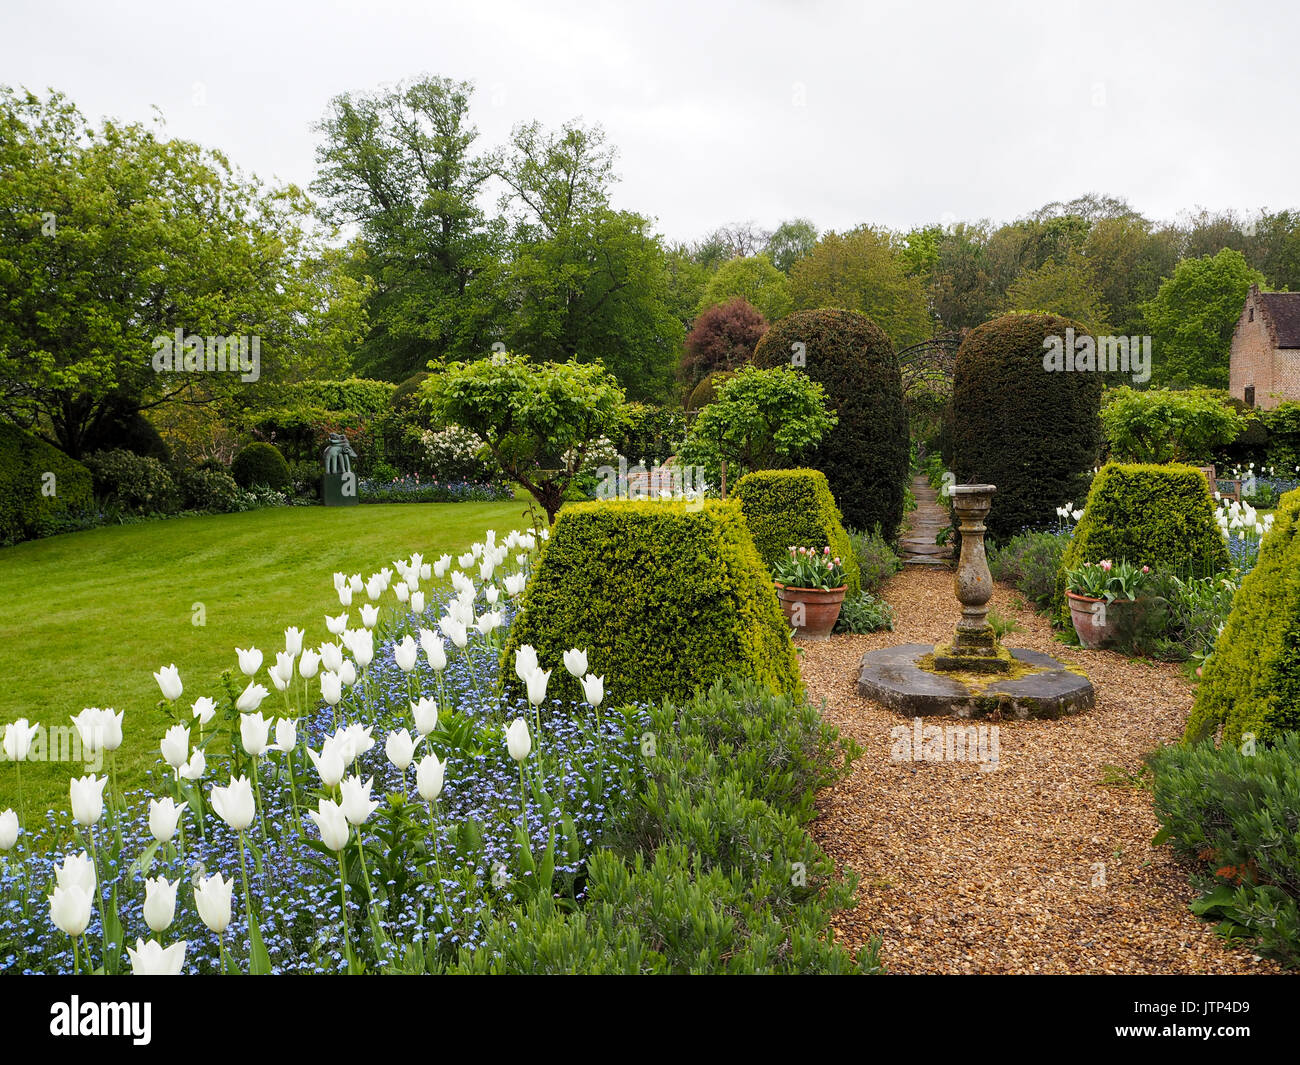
{"x": 973, "y": 675}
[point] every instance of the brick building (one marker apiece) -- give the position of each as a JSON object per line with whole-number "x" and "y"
{"x": 1264, "y": 365}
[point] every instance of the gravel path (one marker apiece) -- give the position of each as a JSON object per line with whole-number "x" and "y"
{"x": 1035, "y": 867}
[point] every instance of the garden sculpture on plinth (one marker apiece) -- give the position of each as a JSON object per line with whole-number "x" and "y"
{"x": 339, "y": 484}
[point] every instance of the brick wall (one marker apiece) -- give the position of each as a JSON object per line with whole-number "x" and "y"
{"x": 1275, "y": 372}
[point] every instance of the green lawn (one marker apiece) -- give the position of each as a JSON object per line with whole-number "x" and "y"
{"x": 86, "y": 618}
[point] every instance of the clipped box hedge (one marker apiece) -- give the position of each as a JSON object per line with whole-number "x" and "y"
{"x": 785, "y": 507}
{"x": 1160, "y": 516}
{"x": 1251, "y": 683}
{"x": 26, "y": 510}
{"x": 665, "y": 597}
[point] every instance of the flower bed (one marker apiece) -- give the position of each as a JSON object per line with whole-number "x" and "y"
{"x": 506, "y": 815}
{"x": 413, "y": 490}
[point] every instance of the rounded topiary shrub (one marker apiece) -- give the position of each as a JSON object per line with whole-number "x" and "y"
{"x": 1031, "y": 431}
{"x": 1251, "y": 683}
{"x": 260, "y": 463}
{"x": 1160, "y": 516}
{"x": 133, "y": 481}
{"x": 203, "y": 488}
{"x": 665, "y": 597}
{"x": 795, "y": 507}
{"x": 865, "y": 457}
{"x": 39, "y": 486}
{"x": 707, "y": 390}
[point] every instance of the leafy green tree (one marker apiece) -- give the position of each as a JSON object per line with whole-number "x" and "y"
{"x": 111, "y": 239}
{"x": 398, "y": 164}
{"x": 1274, "y": 249}
{"x": 1163, "y": 426}
{"x": 537, "y": 419}
{"x": 790, "y": 242}
{"x": 962, "y": 289}
{"x": 761, "y": 419}
{"x": 753, "y": 279}
{"x": 1192, "y": 317}
{"x": 863, "y": 271}
{"x": 1130, "y": 257}
{"x": 1066, "y": 287}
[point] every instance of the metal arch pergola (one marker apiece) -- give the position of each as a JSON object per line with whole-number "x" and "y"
{"x": 931, "y": 360}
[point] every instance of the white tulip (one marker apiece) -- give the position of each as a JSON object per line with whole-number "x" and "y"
{"x": 329, "y": 763}
{"x": 251, "y": 698}
{"x": 340, "y": 579}
{"x": 348, "y": 673}
{"x": 250, "y": 661}
{"x": 355, "y": 739}
{"x": 336, "y": 624}
{"x": 332, "y": 823}
{"x": 195, "y": 767}
{"x": 8, "y": 830}
{"x": 212, "y": 897}
{"x": 204, "y": 709}
{"x": 77, "y": 870}
{"x": 356, "y": 803}
{"x": 593, "y": 688}
{"x": 402, "y": 592}
{"x": 429, "y": 776}
{"x": 369, "y": 615}
{"x": 175, "y": 746}
{"x": 164, "y": 816}
{"x": 153, "y": 959}
{"x": 433, "y": 649}
{"x": 375, "y": 587}
{"x": 286, "y": 734}
{"x": 514, "y": 584}
{"x": 293, "y": 640}
{"x": 417, "y": 602}
{"x": 331, "y": 656}
{"x": 345, "y": 595}
{"x": 235, "y": 803}
{"x": 169, "y": 680}
{"x": 425, "y": 713}
{"x": 91, "y": 729}
{"x": 575, "y": 662}
{"x": 525, "y": 661}
{"x": 455, "y": 631}
{"x": 87, "y": 795}
{"x": 405, "y": 654}
{"x": 400, "y": 749}
{"x": 159, "y": 903}
{"x": 308, "y": 664}
{"x": 441, "y": 566}
{"x": 354, "y": 582}
{"x": 488, "y": 622}
{"x": 465, "y": 560}
{"x": 70, "y": 910}
{"x": 426, "y": 572}
{"x": 537, "y": 681}
{"x": 363, "y": 647}
{"x": 518, "y": 742}
{"x": 18, "y": 739}
{"x": 331, "y": 687}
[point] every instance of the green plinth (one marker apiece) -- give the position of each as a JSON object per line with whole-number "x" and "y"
{"x": 340, "y": 489}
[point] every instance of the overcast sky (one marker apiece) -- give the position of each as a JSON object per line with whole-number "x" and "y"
{"x": 893, "y": 113}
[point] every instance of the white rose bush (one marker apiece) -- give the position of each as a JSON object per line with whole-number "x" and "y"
{"x": 364, "y": 803}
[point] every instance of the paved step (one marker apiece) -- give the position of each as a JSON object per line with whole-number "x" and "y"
{"x": 924, "y": 523}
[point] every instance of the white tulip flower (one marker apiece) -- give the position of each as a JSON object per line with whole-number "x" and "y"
{"x": 425, "y": 713}
{"x": 160, "y": 903}
{"x": 356, "y": 803}
{"x": 175, "y": 746}
{"x": 406, "y": 653}
{"x": 593, "y": 688}
{"x": 518, "y": 742}
{"x": 348, "y": 673}
{"x": 429, "y": 776}
{"x": 331, "y": 687}
{"x": 195, "y": 767}
{"x": 329, "y": 763}
{"x": 336, "y": 624}
{"x": 153, "y": 959}
{"x": 169, "y": 680}
{"x": 331, "y": 823}
{"x": 164, "y": 816}
{"x": 525, "y": 661}
{"x": 400, "y": 749}
{"x": 204, "y": 709}
{"x": 308, "y": 664}
{"x": 286, "y": 734}
{"x": 537, "y": 681}
{"x": 345, "y": 595}
{"x": 250, "y": 661}
{"x": 369, "y": 615}
{"x": 212, "y": 897}
{"x": 8, "y": 830}
{"x": 87, "y": 795}
{"x": 331, "y": 656}
{"x": 18, "y": 739}
{"x": 575, "y": 662}
{"x": 77, "y": 870}
{"x": 417, "y": 602}
{"x": 70, "y": 910}
{"x": 293, "y": 641}
{"x": 235, "y": 803}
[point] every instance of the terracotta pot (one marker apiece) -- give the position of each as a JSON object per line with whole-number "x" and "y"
{"x": 1096, "y": 621}
{"x": 811, "y": 612}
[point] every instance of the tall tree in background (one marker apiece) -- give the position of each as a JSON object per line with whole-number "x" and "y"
{"x": 753, "y": 279}
{"x": 113, "y": 238}
{"x": 399, "y": 165}
{"x": 863, "y": 271}
{"x": 1067, "y": 287}
{"x": 790, "y": 242}
{"x": 580, "y": 280}
{"x": 1192, "y": 318}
